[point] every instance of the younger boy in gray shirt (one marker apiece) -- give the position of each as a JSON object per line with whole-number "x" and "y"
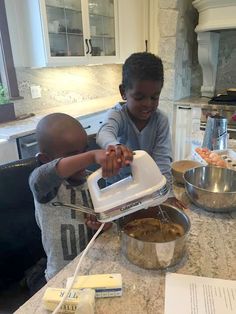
{"x": 62, "y": 178}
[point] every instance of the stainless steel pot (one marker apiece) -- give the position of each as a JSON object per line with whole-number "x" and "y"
{"x": 153, "y": 255}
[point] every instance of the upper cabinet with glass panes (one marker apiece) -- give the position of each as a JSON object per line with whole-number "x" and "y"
{"x": 65, "y": 28}
{"x": 102, "y": 28}
{"x": 74, "y": 32}
{"x": 81, "y": 29}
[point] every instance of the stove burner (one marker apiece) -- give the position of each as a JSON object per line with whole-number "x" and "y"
{"x": 223, "y": 99}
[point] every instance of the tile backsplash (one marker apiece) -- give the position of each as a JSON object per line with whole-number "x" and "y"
{"x": 66, "y": 85}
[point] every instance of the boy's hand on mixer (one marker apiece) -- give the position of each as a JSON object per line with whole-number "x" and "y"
{"x": 123, "y": 154}
{"x": 108, "y": 162}
{"x": 111, "y": 166}
{"x": 92, "y": 223}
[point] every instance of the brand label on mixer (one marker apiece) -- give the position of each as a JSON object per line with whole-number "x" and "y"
{"x": 128, "y": 206}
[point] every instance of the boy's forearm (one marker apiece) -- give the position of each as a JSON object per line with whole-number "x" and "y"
{"x": 108, "y": 133}
{"x": 105, "y": 138}
{"x": 68, "y": 166}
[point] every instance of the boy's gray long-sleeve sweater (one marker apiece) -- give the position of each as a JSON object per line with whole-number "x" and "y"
{"x": 154, "y": 138}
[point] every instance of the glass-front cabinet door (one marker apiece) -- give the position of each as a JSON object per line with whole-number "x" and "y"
{"x": 82, "y": 30}
{"x": 102, "y": 27}
{"x": 65, "y": 27}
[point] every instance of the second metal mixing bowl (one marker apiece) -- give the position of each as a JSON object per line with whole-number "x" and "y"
{"x": 212, "y": 188}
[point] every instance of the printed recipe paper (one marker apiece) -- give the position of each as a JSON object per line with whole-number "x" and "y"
{"x": 199, "y": 295}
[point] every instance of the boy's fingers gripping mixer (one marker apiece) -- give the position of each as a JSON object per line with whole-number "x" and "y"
{"x": 146, "y": 187}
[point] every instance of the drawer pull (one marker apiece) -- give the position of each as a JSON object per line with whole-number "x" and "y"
{"x": 185, "y": 108}
{"x": 87, "y": 127}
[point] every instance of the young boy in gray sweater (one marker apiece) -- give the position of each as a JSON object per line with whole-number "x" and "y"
{"x": 138, "y": 123}
{"x": 62, "y": 178}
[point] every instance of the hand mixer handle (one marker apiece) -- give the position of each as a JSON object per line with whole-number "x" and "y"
{"x": 139, "y": 172}
{"x": 97, "y": 175}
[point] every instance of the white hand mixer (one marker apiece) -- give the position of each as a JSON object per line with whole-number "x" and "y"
{"x": 146, "y": 187}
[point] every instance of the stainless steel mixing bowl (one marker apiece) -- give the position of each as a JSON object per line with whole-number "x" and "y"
{"x": 154, "y": 255}
{"x": 212, "y": 188}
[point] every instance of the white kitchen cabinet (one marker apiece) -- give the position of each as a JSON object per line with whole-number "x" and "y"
{"x": 80, "y": 29}
{"x": 48, "y": 33}
{"x": 133, "y": 27}
{"x": 187, "y": 123}
{"x": 63, "y": 32}
{"x": 8, "y": 151}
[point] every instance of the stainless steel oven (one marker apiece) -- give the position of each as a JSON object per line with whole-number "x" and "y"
{"x": 27, "y": 146}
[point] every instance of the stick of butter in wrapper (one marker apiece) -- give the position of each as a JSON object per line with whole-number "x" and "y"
{"x": 105, "y": 285}
{"x": 53, "y": 296}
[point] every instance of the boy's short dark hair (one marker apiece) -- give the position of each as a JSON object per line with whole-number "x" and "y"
{"x": 53, "y": 126}
{"x": 142, "y": 66}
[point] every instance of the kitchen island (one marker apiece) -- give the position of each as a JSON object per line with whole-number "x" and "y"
{"x": 211, "y": 252}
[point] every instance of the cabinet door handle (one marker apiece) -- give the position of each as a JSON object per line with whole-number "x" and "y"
{"x": 146, "y": 45}
{"x": 87, "y": 46}
{"x": 29, "y": 144}
{"x": 91, "y": 46}
{"x": 185, "y": 108}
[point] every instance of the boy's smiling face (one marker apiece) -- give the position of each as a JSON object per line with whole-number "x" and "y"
{"x": 142, "y": 99}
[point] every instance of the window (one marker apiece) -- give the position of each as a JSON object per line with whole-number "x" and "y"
{"x": 7, "y": 69}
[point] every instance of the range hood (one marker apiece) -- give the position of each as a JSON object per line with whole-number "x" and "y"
{"x": 214, "y": 15}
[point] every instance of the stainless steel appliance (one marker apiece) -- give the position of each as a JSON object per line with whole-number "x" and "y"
{"x": 27, "y": 146}
{"x": 222, "y": 107}
{"x": 215, "y": 136}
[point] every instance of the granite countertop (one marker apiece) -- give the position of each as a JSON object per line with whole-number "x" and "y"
{"x": 211, "y": 253}
{"x": 193, "y": 101}
{"x": 15, "y": 129}
{"x": 18, "y": 128}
